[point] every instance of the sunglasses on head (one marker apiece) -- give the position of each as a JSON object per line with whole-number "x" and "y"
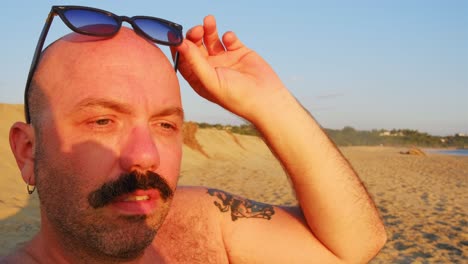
{"x": 100, "y": 23}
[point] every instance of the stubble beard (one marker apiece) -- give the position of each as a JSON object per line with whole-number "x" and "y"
{"x": 83, "y": 230}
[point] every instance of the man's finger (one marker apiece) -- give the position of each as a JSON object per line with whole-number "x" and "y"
{"x": 195, "y": 35}
{"x": 196, "y": 69}
{"x": 213, "y": 44}
{"x": 231, "y": 42}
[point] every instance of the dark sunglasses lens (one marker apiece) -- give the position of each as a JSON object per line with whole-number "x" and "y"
{"x": 159, "y": 30}
{"x": 92, "y": 22}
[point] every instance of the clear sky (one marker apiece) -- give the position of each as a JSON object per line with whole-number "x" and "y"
{"x": 365, "y": 64}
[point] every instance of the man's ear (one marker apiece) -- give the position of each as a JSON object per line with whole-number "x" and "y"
{"x": 22, "y": 141}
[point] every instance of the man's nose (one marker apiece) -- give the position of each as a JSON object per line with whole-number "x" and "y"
{"x": 139, "y": 151}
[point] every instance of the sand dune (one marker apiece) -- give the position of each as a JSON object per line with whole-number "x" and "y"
{"x": 12, "y": 195}
{"x": 422, "y": 199}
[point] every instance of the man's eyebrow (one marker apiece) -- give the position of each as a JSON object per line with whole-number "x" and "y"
{"x": 125, "y": 109}
{"x": 104, "y": 103}
{"x": 172, "y": 111}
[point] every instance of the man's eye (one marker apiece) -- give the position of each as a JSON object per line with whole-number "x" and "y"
{"x": 102, "y": 122}
{"x": 166, "y": 125}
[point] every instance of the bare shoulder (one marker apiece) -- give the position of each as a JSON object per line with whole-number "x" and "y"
{"x": 186, "y": 195}
{"x": 208, "y": 225}
{"x": 252, "y": 231}
{"x": 214, "y": 201}
{"x": 192, "y": 201}
{"x": 193, "y": 206}
{"x": 218, "y": 206}
{"x": 191, "y": 232}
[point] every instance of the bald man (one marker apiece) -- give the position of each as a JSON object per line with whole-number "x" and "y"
{"x": 104, "y": 150}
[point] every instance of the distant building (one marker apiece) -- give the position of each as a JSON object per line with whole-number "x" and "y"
{"x": 385, "y": 133}
{"x": 461, "y": 135}
{"x": 391, "y": 134}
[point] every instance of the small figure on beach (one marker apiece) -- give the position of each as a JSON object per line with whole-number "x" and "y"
{"x": 102, "y": 146}
{"x": 414, "y": 151}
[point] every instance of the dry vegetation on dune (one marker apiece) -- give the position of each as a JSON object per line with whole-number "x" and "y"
{"x": 189, "y": 130}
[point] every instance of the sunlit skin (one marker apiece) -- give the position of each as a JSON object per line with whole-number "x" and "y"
{"x": 113, "y": 106}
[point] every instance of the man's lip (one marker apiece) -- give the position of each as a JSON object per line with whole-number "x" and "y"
{"x": 152, "y": 195}
{"x": 127, "y": 205}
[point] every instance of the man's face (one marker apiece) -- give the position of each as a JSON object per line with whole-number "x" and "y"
{"x": 109, "y": 147}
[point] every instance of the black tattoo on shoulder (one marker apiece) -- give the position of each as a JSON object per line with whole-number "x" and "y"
{"x": 241, "y": 207}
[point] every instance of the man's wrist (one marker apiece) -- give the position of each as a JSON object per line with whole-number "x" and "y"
{"x": 278, "y": 106}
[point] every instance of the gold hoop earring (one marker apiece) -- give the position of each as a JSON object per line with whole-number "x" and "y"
{"x": 30, "y": 191}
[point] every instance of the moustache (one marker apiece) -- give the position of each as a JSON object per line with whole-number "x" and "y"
{"x": 128, "y": 183}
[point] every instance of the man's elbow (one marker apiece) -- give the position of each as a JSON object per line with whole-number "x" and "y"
{"x": 375, "y": 244}
{"x": 368, "y": 248}
{"x": 380, "y": 240}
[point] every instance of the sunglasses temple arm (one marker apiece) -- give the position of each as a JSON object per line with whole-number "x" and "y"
{"x": 35, "y": 61}
{"x": 176, "y": 60}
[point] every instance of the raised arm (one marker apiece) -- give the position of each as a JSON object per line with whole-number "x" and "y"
{"x": 339, "y": 221}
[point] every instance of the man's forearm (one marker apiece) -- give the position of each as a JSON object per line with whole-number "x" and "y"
{"x": 334, "y": 202}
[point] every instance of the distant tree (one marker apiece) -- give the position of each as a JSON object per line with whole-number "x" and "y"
{"x": 349, "y": 136}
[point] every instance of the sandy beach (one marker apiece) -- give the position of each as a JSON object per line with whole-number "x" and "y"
{"x": 422, "y": 199}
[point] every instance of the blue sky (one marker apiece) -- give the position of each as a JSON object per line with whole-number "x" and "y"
{"x": 365, "y": 64}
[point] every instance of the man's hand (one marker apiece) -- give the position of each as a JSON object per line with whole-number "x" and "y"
{"x": 227, "y": 72}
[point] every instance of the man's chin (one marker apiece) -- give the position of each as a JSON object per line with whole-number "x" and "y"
{"x": 125, "y": 248}
{"x": 126, "y": 242}
{"x": 104, "y": 234}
